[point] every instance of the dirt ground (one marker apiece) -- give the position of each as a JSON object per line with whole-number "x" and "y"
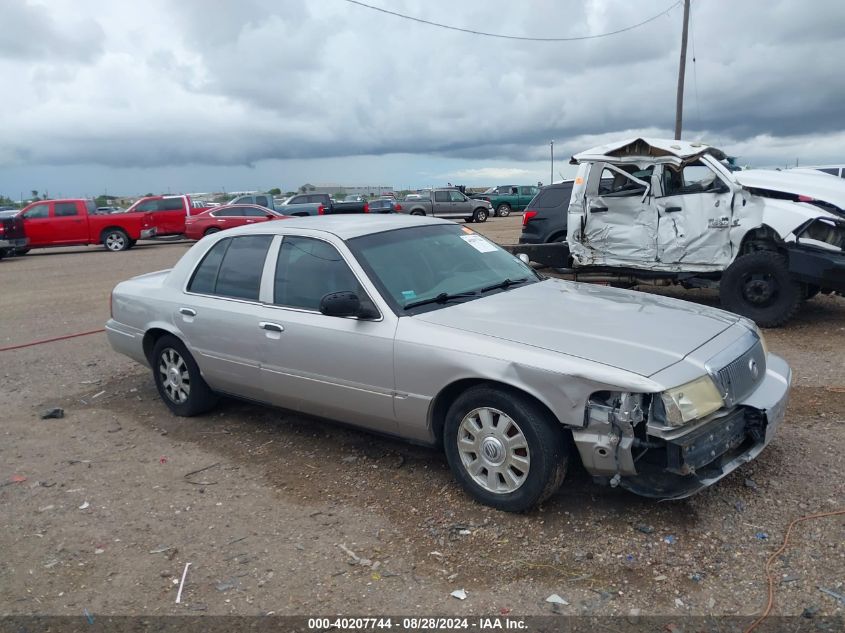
{"x": 266, "y": 505}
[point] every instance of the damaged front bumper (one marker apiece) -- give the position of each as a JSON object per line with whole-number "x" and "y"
{"x": 821, "y": 268}
{"x": 676, "y": 463}
{"x": 148, "y": 233}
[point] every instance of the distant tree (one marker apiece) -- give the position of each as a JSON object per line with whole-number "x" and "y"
{"x": 35, "y": 194}
{"x": 311, "y": 188}
{"x": 340, "y": 196}
{"x": 102, "y": 201}
{"x": 303, "y": 189}
{"x": 290, "y": 193}
{"x": 275, "y": 191}
{"x": 148, "y": 195}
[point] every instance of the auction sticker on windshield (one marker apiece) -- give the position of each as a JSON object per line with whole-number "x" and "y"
{"x": 479, "y": 243}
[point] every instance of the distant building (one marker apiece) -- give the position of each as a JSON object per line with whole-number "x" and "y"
{"x": 361, "y": 190}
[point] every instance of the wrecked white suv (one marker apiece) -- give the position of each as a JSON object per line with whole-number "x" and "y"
{"x": 663, "y": 211}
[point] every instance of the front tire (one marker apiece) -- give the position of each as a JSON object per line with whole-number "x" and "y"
{"x": 480, "y": 215}
{"x": 504, "y": 449}
{"x": 503, "y": 210}
{"x": 758, "y": 286}
{"x": 178, "y": 379}
{"x": 116, "y": 240}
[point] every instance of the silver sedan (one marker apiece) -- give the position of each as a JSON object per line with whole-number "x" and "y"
{"x": 424, "y": 329}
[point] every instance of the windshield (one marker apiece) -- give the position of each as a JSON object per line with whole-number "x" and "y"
{"x": 491, "y": 190}
{"x": 416, "y": 264}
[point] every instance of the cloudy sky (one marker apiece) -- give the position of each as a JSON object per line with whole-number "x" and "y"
{"x": 200, "y": 95}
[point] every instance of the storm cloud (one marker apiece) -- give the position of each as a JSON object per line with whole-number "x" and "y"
{"x": 193, "y": 83}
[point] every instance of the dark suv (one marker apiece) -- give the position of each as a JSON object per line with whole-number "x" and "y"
{"x": 544, "y": 219}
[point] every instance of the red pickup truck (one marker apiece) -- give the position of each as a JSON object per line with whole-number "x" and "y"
{"x": 72, "y": 222}
{"x": 169, "y": 212}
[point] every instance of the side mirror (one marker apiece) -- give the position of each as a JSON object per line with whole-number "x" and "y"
{"x": 345, "y": 304}
{"x": 523, "y": 258}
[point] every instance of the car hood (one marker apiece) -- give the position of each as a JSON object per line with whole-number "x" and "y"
{"x": 634, "y": 331}
{"x": 820, "y": 186}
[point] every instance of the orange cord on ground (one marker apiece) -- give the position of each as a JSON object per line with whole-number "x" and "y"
{"x": 779, "y": 551}
{"x": 50, "y": 340}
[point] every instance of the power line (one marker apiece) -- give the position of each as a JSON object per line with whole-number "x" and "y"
{"x": 516, "y": 37}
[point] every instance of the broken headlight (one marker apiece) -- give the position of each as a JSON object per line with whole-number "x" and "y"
{"x": 689, "y": 402}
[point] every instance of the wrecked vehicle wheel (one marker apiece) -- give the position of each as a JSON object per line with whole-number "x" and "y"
{"x": 758, "y": 285}
{"x": 504, "y": 449}
{"x": 178, "y": 379}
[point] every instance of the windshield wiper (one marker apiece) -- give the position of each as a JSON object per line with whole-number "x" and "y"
{"x": 505, "y": 283}
{"x": 443, "y": 297}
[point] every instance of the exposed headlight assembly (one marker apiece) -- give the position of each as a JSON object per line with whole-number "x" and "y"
{"x": 691, "y": 401}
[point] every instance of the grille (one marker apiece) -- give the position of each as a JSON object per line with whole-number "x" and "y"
{"x": 740, "y": 377}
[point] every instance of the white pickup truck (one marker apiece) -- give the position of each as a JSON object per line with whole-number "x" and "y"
{"x": 674, "y": 212}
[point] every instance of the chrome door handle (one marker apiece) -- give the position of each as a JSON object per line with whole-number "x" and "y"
{"x": 271, "y": 327}
{"x": 188, "y": 312}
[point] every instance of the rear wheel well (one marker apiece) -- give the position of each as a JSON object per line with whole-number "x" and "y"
{"x": 150, "y": 339}
{"x": 450, "y": 393}
{"x": 109, "y": 229}
{"x": 554, "y": 237}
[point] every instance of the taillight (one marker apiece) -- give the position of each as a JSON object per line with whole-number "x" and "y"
{"x": 527, "y": 217}
{"x": 321, "y": 210}
{"x": 366, "y": 208}
{"x": 806, "y": 199}
{"x": 397, "y": 207}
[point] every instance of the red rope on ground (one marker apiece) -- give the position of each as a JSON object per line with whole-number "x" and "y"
{"x": 50, "y": 340}
{"x": 770, "y": 577}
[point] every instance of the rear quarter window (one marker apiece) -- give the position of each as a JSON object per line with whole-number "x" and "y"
{"x": 552, "y": 198}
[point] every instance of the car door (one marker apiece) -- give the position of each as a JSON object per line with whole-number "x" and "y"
{"x": 441, "y": 204}
{"x": 461, "y": 206}
{"x": 228, "y": 218}
{"x": 694, "y": 216}
{"x": 220, "y": 315}
{"x": 620, "y": 222}
{"x": 38, "y": 224}
{"x": 70, "y": 225}
{"x": 339, "y": 368}
{"x": 170, "y": 215}
{"x": 254, "y": 214}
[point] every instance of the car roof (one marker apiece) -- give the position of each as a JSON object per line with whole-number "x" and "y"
{"x": 648, "y": 148}
{"x": 345, "y": 226}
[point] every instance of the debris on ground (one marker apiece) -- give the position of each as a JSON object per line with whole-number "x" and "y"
{"x": 645, "y": 529}
{"x": 460, "y": 594}
{"x": 762, "y": 536}
{"x": 556, "y": 599}
{"x": 356, "y": 560}
{"x": 834, "y": 594}
{"x": 226, "y": 585}
{"x": 53, "y": 413}
{"x": 84, "y": 505}
{"x": 750, "y": 483}
{"x": 669, "y": 539}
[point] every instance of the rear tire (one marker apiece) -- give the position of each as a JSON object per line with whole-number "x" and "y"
{"x": 178, "y": 379}
{"x": 503, "y": 210}
{"x": 3, "y": 253}
{"x": 758, "y": 286}
{"x": 21, "y": 251}
{"x": 504, "y": 449}
{"x": 211, "y": 231}
{"x": 417, "y": 213}
{"x": 480, "y": 215}
{"x": 116, "y": 240}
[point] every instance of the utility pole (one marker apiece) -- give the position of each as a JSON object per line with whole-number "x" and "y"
{"x": 679, "y": 104}
{"x": 552, "y": 170}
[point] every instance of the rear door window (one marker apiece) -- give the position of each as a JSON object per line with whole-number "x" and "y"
{"x": 254, "y": 212}
{"x": 235, "y": 212}
{"x": 552, "y": 198}
{"x": 262, "y": 200}
{"x": 172, "y": 204}
{"x": 232, "y": 268}
{"x": 65, "y": 209}
{"x": 441, "y": 196}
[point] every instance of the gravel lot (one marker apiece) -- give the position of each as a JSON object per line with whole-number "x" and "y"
{"x": 108, "y": 514}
